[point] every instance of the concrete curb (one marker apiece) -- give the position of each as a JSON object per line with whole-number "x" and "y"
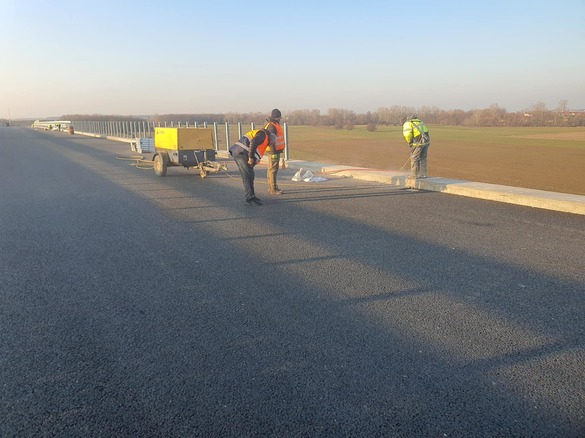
{"x": 562, "y": 202}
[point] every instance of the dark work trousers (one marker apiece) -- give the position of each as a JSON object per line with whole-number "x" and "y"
{"x": 247, "y": 173}
{"x": 418, "y": 161}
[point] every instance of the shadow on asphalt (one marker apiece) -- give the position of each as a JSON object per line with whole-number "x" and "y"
{"x": 288, "y": 319}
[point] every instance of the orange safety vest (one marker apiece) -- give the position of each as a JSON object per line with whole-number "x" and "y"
{"x": 280, "y": 144}
{"x": 261, "y": 148}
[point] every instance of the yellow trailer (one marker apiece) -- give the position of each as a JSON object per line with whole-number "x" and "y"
{"x": 187, "y": 147}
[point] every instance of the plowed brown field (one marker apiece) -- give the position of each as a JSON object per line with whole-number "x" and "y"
{"x": 543, "y": 160}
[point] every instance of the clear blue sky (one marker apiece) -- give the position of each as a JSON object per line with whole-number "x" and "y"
{"x": 141, "y": 57}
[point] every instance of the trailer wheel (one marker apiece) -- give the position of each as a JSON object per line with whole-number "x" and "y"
{"x": 160, "y": 165}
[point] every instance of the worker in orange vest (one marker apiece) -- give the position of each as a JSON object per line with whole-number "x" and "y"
{"x": 274, "y": 152}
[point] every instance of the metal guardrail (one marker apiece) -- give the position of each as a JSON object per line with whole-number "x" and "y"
{"x": 132, "y": 129}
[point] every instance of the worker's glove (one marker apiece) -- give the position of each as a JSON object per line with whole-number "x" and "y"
{"x": 251, "y": 161}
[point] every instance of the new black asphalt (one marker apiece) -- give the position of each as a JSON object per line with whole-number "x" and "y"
{"x": 133, "y": 305}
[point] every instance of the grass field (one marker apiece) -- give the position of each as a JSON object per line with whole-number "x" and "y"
{"x": 551, "y": 159}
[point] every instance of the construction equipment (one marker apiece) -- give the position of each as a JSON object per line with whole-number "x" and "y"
{"x": 187, "y": 147}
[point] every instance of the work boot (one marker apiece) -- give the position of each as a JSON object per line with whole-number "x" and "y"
{"x": 254, "y": 202}
{"x": 275, "y": 191}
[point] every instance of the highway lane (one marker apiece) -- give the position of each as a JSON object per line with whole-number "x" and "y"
{"x": 132, "y": 305}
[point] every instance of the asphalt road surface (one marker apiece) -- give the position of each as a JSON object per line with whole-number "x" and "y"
{"x": 133, "y": 305}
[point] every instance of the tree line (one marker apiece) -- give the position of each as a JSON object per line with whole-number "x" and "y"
{"x": 537, "y": 115}
{"x": 340, "y": 118}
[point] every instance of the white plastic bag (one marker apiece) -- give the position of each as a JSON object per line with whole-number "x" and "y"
{"x": 297, "y": 176}
{"x": 307, "y": 176}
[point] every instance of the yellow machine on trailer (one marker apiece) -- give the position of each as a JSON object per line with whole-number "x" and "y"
{"x": 187, "y": 147}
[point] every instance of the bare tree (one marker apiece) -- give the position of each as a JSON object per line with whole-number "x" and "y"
{"x": 563, "y": 106}
{"x": 539, "y": 114}
{"x": 340, "y": 117}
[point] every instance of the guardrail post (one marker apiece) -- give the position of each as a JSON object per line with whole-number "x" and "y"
{"x": 216, "y": 136}
{"x": 286, "y": 141}
{"x": 227, "y": 136}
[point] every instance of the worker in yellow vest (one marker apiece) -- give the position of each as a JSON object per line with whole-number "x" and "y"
{"x": 274, "y": 152}
{"x": 247, "y": 152}
{"x": 418, "y": 138}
